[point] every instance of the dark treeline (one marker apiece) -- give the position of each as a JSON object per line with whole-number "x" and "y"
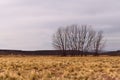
{"x": 54, "y": 53}
{"x": 42, "y": 52}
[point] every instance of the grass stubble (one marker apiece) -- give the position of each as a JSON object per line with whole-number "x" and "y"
{"x": 59, "y": 68}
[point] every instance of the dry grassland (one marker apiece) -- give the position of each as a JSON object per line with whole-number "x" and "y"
{"x": 59, "y": 68}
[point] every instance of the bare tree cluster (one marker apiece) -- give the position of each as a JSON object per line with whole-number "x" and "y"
{"x": 78, "y": 38}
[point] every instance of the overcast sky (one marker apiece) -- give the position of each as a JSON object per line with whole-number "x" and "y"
{"x": 30, "y": 24}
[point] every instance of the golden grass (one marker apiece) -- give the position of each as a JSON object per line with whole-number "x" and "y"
{"x": 59, "y": 68}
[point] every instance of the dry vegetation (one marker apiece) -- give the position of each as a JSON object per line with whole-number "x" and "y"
{"x": 59, "y": 68}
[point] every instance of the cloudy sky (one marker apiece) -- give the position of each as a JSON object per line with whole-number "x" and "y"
{"x": 30, "y": 24}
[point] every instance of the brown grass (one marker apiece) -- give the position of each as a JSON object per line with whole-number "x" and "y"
{"x": 59, "y": 68}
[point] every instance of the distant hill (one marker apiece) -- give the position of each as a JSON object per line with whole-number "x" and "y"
{"x": 52, "y": 52}
{"x": 112, "y": 53}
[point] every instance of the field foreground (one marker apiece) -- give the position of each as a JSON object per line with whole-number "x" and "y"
{"x": 59, "y": 68}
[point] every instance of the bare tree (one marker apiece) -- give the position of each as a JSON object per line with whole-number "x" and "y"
{"x": 98, "y": 43}
{"x": 77, "y": 38}
{"x": 59, "y": 40}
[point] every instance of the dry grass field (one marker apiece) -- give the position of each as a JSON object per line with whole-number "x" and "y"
{"x": 59, "y": 68}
